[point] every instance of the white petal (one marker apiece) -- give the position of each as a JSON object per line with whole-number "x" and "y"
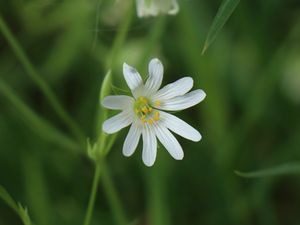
{"x": 179, "y": 127}
{"x": 118, "y": 122}
{"x": 177, "y": 88}
{"x": 146, "y": 8}
{"x": 132, "y": 77}
{"x": 174, "y": 9}
{"x": 182, "y": 102}
{"x": 118, "y": 102}
{"x": 169, "y": 141}
{"x": 156, "y": 71}
{"x": 132, "y": 140}
{"x": 149, "y": 146}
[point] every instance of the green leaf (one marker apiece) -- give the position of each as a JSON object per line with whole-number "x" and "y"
{"x": 226, "y": 9}
{"x": 17, "y": 207}
{"x": 285, "y": 169}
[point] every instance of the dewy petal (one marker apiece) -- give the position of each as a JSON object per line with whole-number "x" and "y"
{"x": 156, "y": 71}
{"x": 132, "y": 77}
{"x": 179, "y": 127}
{"x": 149, "y": 145}
{"x": 132, "y": 139}
{"x": 118, "y": 102}
{"x": 117, "y": 122}
{"x": 182, "y": 102}
{"x": 169, "y": 141}
{"x": 177, "y": 88}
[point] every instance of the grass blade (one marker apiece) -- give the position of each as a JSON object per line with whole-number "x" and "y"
{"x": 35, "y": 122}
{"x": 285, "y": 169}
{"x": 226, "y": 9}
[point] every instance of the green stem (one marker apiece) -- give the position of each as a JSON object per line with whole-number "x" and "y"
{"x": 106, "y": 179}
{"x": 92, "y": 200}
{"x": 113, "y": 198}
{"x": 32, "y": 73}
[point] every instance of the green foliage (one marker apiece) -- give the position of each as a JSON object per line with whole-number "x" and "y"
{"x": 54, "y": 63}
{"x": 226, "y": 9}
{"x": 286, "y": 169}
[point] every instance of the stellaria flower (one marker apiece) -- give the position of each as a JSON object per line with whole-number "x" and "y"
{"x": 146, "y": 8}
{"x": 144, "y": 111}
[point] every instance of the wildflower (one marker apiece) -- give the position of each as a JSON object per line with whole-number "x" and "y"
{"x": 144, "y": 111}
{"x": 146, "y": 8}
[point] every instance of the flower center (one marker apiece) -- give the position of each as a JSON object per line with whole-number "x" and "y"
{"x": 145, "y": 112}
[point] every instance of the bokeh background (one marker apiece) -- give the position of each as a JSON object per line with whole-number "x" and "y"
{"x": 249, "y": 119}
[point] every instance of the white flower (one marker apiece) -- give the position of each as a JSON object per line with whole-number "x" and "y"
{"x": 144, "y": 112}
{"x": 146, "y": 8}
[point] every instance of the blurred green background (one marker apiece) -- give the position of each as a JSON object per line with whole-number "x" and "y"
{"x": 249, "y": 119}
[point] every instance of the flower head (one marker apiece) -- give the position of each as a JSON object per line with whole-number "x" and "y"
{"x": 146, "y": 8}
{"x": 144, "y": 112}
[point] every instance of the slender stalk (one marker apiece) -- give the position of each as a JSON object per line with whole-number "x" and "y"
{"x": 102, "y": 147}
{"x": 33, "y": 74}
{"x": 92, "y": 200}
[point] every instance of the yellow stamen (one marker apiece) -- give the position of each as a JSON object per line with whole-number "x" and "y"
{"x": 145, "y": 109}
{"x": 150, "y": 122}
{"x": 157, "y": 103}
{"x": 156, "y": 116}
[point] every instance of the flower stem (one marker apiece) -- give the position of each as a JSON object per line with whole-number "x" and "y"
{"x": 91, "y": 204}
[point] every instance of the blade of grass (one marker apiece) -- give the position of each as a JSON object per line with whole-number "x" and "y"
{"x": 224, "y": 12}
{"x": 285, "y": 169}
{"x": 33, "y": 74}
{"x": 17, "y": 207}
{"x": 35, "y": 122}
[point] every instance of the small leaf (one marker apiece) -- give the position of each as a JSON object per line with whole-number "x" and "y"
{"x": 24, "y": 215}
{"x": 105, "y": 87}
{"x": 285, "y": 169}
{"x": 104, "y": 142}
{"x": 226, "y": 9}
{"x": 17, "y": 207}
{"x": 92, "y": 150}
